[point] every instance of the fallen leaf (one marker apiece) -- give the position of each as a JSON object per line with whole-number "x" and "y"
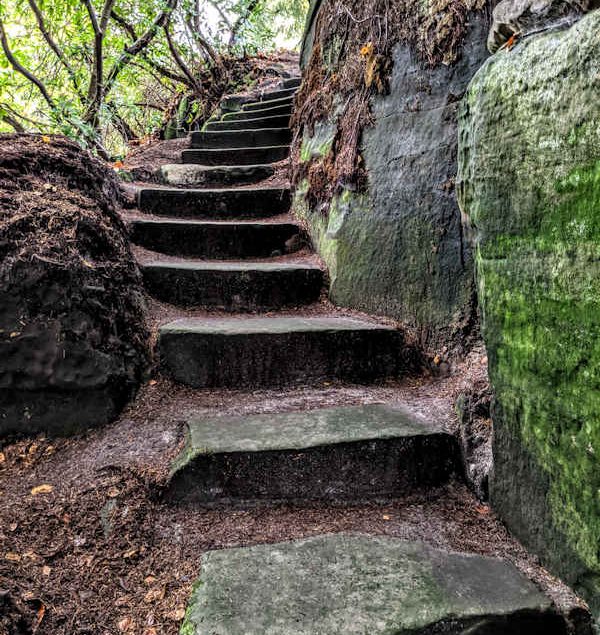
{"x": 46, "y": 139}
{"x": 42, "y": 489}
{"x": 12, "y": 526}
{"x": 154, "y": 595}
{"x": 113, "y": 492}
{"x": 40, "y": 616}
{"x": 2, "y": 457}
{"x": 437, "y": 360}
{"x": 177, "y": 615}
{"x": 152, "y": 382}
{"x": 150, "y": 580}
{"x": 12, "y": 557}
{"x": 126, "y": 625}
{"x": 150, "y": 631}
{"x": 386, "y": 517}
{"x": 484, "y": 510}
{"x": 46, "y": 570}
{"x": 130, "y": 553}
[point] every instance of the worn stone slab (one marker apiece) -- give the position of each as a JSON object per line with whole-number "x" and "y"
{"x": 258, "y": 105}
{"x": 236, "y": 156}
{"x": 253, "y": 286}
{"x": 285, "y": 109}
{"x": 278, "y": 351}
{"x": 241, "y": 138}
{"x": 220, "y": 240}
{"x": 256, "y": 123}
{"x": 215, "y": 203}
{"x": 292, "y": 82}
{"x": 353, "y": 584}
{"x": 274, "y": 95}
{"x": 361, "y": 453}
{"x": 201, "y": 175}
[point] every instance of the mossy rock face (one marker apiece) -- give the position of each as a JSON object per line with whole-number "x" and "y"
{"x": 397, "y": 249}
{"x": 355, "y": 584}
{"x": 529, "y": 181}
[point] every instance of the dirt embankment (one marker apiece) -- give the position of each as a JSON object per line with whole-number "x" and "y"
{"x": 71, "y": 301}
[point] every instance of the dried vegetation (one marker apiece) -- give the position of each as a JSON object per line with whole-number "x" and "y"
{"x": 351, "y": 62}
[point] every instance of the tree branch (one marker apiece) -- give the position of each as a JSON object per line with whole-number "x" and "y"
{"x": 21, "y": 69}
{"x": 242, "y": 20}
{"x": 178, "y": 59}
{"x": 139, "y": 45}
{"x": 55, "y": 48}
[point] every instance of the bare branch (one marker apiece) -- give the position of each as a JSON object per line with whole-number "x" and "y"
{"x": 241, "y": 21}
{"x": 177, "y": 57}
{"x": 139, "y": 45}
{"x": 21, "y": 69}
{"x": 54, "y": 46}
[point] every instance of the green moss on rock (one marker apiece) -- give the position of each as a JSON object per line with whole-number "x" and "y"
{"x": 529, "y": 181}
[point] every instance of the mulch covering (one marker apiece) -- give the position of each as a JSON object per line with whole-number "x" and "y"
{"x": 66, "y": 268}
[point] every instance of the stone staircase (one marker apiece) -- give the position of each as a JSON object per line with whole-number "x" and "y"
{"x": 229, "y": 259}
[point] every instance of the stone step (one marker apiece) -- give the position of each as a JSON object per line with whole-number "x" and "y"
{"x": 278, "y": 351}
{"x": 292, "y": 82}
{"x": 274, "y": 95}
{"x": 258, "y": 123}
{"x": 207, "y": 176}
{"x": 260, "y": 105}
{"x": 220, "y": 139}
{"x": 236, "y": 156}
{"x": 352, "y": 454}
{"x": 286, "y": 109}
{"x": 215, "y": 204}
{"x": 221, "y": 240}
{"x": 236, "y": 287}
{"x": 357, "y": 584}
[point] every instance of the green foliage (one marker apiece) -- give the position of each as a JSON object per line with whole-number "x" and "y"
{"x": 145, "y": 84}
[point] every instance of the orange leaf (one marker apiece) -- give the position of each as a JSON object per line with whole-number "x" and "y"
{"x": 42, "y": 489}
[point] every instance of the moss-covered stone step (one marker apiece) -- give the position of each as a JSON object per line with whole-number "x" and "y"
{"x": 220, "y": 240}
{"x": 241, "y": 138}
{"x": 278, "y": 351}
{"x": 359, "y": 585}
{"x": 236, "y": 156}
{"x": 364, "y": 453}
{"x": 202, "y": 175}
{"x": 259, "y": 105}
{"x": 256, "y": 123}
{"x": 215, "y": 204}
{"x": 245, "y": 286}
{"x": 285, "y": 109}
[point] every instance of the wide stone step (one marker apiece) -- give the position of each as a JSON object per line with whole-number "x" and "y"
{"x": 207, "y": 176}
{"x": 353, "y": 584}
{"x": 236, "y": 156}
{"x": 274, "y": 95}
{"x": 258, "y": 123}
{"x": 286, "y": 109}
{"x": 221, "y": 240}
{"x": 354, "y": 454}
{"x": 259, "y": 105}
{"x": 213, "y": 139}
{"x": 292, "y": 82}
{"x": 215, "y": 204}
{"x": 258, "y": 286}
{"x": 278, "y": 351}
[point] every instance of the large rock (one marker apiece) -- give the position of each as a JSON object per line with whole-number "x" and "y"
{"x": 72, "y": 337}
{"x": 518, "y": 18}
{"x": 530, "y": 185}
{"x": 398, "y": 249}
{"x": 358, "y": 585}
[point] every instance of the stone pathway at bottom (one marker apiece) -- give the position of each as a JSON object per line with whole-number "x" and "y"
{"x": 221, "y": 250}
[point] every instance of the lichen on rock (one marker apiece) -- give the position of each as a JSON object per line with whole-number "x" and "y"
{"x": 73, "y": 344}
{"x": 529, "y": 183}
